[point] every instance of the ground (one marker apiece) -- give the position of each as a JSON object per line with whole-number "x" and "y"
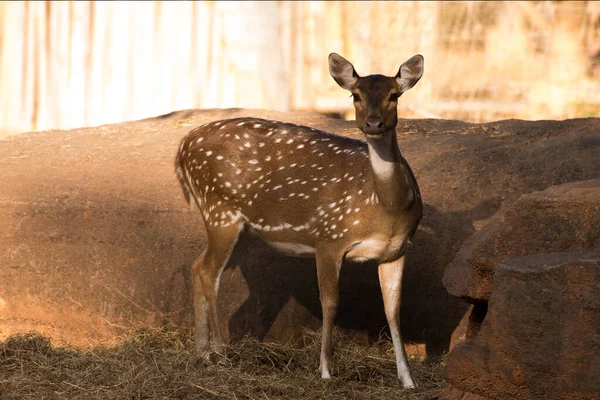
{"x": 162, "y": 363}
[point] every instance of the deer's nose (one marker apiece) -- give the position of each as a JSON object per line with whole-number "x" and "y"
{"x": 373, "y": 125}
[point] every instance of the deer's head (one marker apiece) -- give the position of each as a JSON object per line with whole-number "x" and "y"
{"x": 376, "y": 96}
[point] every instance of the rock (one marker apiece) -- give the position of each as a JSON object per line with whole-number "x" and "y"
{"x": 96, "y": 234}
{"x": 561, "y": 218}
{"x": 452, "y": 393}
{"x": 539, "y": 339}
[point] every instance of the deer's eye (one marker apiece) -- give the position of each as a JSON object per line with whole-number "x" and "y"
{"x": 394, "y": 97}
{"x": 355, "y": 96}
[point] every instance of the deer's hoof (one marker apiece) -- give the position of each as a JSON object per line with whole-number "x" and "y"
{"x": 325, "y": 374}
{"x": 409, "y": 385}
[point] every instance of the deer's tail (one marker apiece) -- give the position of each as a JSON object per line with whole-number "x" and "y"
{"x": 183, "y": 181}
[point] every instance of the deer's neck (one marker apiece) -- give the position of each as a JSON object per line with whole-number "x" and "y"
{"x": 395, "y": 185}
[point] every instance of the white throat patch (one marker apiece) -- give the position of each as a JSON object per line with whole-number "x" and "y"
{"x": 383, "y": 169}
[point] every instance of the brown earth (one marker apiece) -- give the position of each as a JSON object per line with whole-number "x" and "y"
{"x": 96, "y": 234}
{"x": 539, "y": 339}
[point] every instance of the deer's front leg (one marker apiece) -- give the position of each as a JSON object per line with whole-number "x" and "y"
{"x": 390, "y": 279}
{"x": 328, "y": 269}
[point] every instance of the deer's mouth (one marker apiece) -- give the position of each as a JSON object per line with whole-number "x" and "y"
{"x": 374, "y": 136}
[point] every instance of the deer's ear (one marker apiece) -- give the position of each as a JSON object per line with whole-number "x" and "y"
{"x": 342, "y": 71}
{"x": 410, "y": 72}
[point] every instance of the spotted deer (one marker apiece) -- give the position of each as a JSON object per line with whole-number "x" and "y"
{"x": 308, "y": 193}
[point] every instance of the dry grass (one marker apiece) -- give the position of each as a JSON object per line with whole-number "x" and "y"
{"x": 162, "y": 364}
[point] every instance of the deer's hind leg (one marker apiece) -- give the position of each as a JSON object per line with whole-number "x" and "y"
{"x": 202, "y": 331}
{"x": 206, "y": 272}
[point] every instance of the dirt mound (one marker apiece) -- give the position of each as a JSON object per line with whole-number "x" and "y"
{"x": 96, "y": 235}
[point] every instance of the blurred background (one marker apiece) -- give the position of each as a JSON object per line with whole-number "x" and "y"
{"x": 72, "y": 64}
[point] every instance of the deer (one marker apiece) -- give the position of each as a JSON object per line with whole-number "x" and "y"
{"x": 307, "y": 193}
